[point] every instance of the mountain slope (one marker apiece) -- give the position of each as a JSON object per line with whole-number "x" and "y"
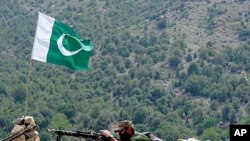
{"x": 175, "y": 68}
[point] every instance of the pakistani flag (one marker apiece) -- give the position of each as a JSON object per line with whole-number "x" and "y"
{"x": 57, "y": 43}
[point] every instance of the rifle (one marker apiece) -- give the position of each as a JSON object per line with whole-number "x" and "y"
{"x": 16, "y": 135}
{"x": 78, "y": 134}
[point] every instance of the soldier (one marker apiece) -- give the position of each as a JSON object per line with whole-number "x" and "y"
{"x": 126, "y": 132}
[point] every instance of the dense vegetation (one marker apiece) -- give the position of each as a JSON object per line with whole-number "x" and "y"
{"x": 144, "y": 68}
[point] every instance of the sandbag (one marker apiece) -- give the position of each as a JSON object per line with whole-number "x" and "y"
{"x": 23, "y": 123}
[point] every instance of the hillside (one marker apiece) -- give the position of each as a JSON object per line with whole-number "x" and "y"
{"x": 175, "y": 68}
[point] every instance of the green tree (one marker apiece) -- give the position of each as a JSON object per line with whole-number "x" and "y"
{"x": 227, "y": 112}
{"x": 174, "y": 61}
{"x": 196, "y": 84}
{"x": 59, "y": 120}
{"x": 127, "y": 63}
{"x": 203, "y": 53}
{"x": 189, "y": 58}
{"x": 210, "y": 122}
{"x": 219, "y": 59}
{"x": 244, "y": 34}
{"x": 96, "y": 111}
{"x": 157, "y": 75}
{"x": 193, "y": 68}
{"x": 213, "y": 105}
{"x": 19, "y": 93}
{"x": 139, "y": 115}
{"x": 157, "y": 93}
{"x": 102, "y": 121}
{"x": 218, "y": 95}
{"x": 197, "y": 116}
{"x": 211, "y": 134}
{"x": 70, "y": 110}
{"x": 209, "y": 44}
{"x": 245, "y": 120}
{"x": 162, "y": 24}
{"x": 217, "y": 72}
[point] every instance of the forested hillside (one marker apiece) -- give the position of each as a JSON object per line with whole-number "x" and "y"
{"x": 176, "y": 68}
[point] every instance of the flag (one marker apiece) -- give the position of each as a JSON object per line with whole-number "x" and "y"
{"x": 57, "y": 43}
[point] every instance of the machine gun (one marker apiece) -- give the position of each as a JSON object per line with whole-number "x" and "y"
{"x": 78, "y": 134}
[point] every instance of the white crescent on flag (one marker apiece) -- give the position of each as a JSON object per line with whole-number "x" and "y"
{"x": 64, "y": 51}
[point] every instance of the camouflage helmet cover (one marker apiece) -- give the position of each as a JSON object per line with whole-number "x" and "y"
{"x": 123, "y": 124}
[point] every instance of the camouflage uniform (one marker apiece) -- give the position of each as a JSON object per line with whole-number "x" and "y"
{"x": 139, "y": 137}
{"x": 146, "y": 136}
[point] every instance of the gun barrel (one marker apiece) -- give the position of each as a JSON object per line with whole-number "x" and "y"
{"x": 79, "y": 134}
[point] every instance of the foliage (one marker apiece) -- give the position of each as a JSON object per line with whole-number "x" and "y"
{"x": 211, "y": 134}
{"x": 196, "y": 84}
{"x": 174, "y": 61}
{"x": 59, "y": 120}
{"x": 162, "y": 24}
{"x": 193, "y": 68}
{"x": 139, "y": 69}
{"x": 244, "y": 34}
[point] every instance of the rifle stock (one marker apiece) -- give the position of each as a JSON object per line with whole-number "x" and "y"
{"x": 78, "y": 134}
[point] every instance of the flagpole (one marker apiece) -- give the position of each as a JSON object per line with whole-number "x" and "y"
{"x": 27, "y": 88}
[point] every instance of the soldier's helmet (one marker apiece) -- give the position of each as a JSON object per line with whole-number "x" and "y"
{"x": 123, "y": 124}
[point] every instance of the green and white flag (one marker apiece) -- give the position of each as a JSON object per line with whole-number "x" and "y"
{"x": 57, "y": 43}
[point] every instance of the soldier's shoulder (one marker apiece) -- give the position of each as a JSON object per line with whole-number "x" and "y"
{"x": 140, "y": 137}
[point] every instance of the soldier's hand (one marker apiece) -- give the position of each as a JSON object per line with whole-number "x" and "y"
{"x": 105, "y": 133}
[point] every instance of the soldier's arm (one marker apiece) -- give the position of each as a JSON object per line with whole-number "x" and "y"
{"x": 140, "y": 137}
{"x": 108, "y": 135}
